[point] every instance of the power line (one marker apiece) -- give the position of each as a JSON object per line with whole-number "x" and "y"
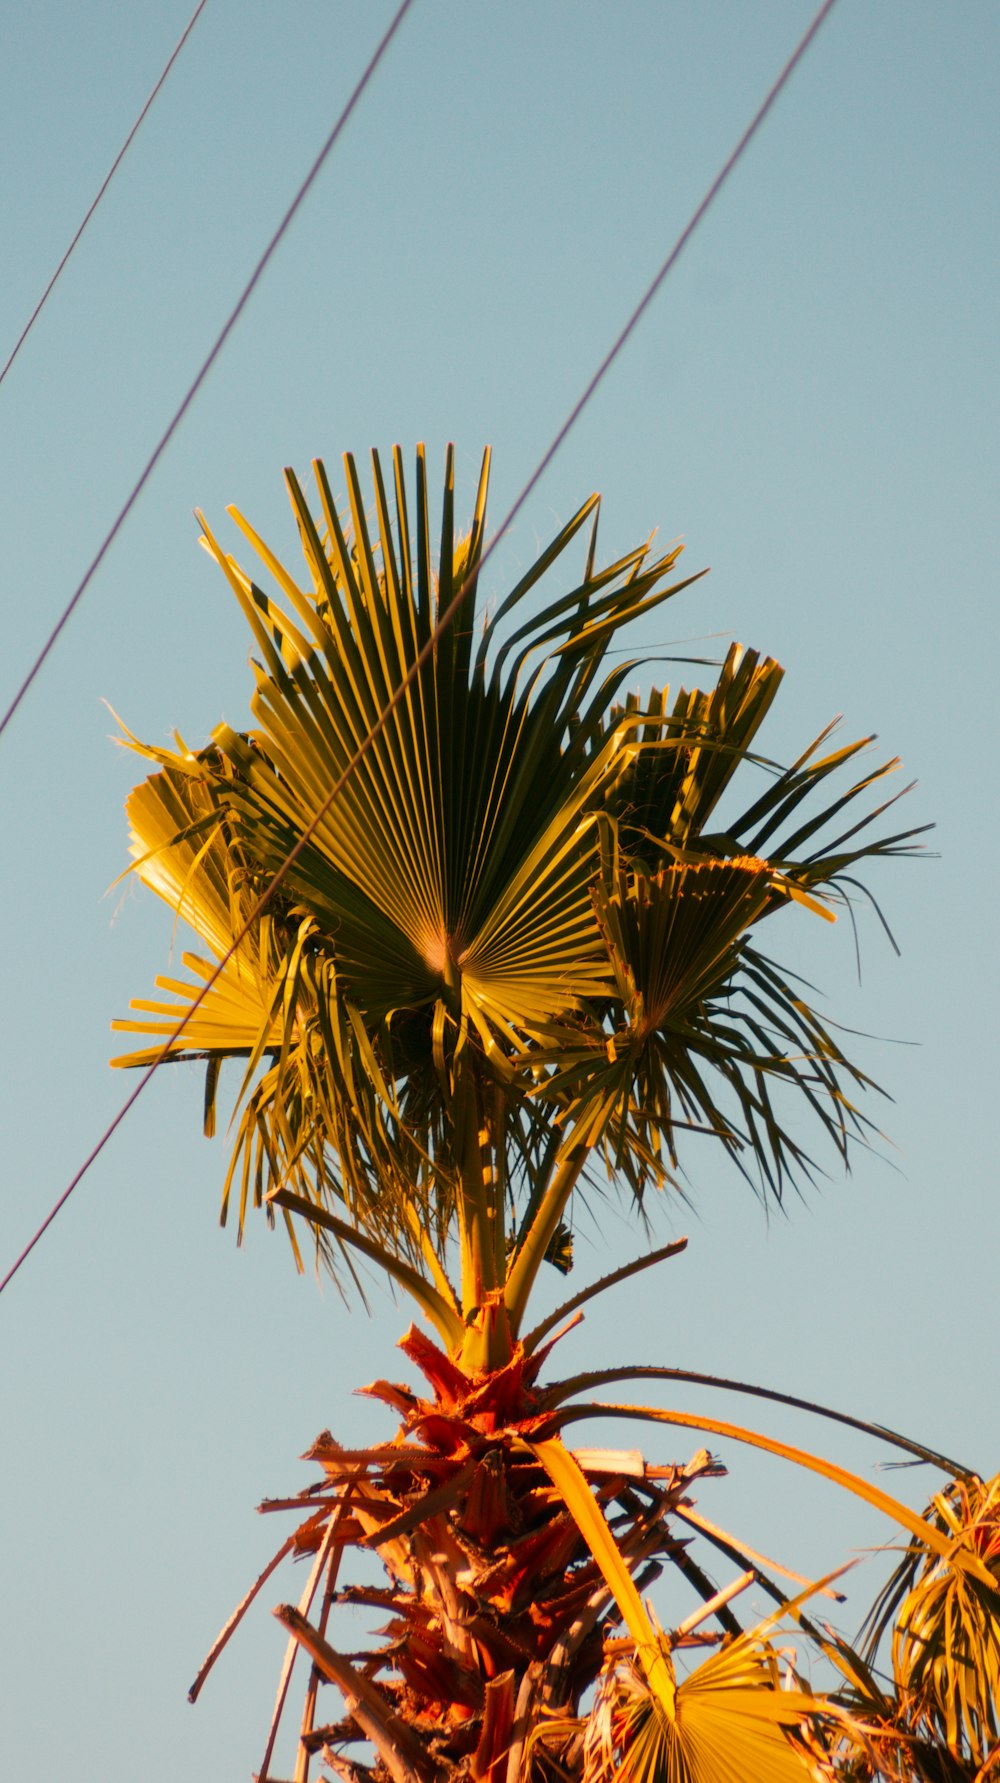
{"x": 109, "y": 176}
{"x": 668, "y": 264}
{"x": 220, "y": 341}
{"x": 446, "y": 617}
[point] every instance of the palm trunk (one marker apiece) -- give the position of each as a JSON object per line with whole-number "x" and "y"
{"x": 487, "y": 1343}
{"x": 497, "y": 1609}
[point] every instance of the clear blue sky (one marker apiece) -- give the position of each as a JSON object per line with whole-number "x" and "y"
{"x": 812, "y": 404}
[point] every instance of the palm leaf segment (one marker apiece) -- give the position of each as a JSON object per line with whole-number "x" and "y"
{"x": 943, "y": 1610}
{"x": 514, "y": 935}
{"x": 734, "y": 1717}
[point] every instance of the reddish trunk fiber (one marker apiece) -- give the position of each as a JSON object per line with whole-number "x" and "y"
{"x": 498, "y": 1615}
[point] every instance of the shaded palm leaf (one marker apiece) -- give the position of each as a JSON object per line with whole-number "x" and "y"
{"x": 706, "y": 1026}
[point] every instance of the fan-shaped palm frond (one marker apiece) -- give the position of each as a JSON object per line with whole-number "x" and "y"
{"x": 731, "y": 1717}
{"x": 701, "y": 1014}
{"x": 943, "y": 1612}
{"x": 736, "y": 1717}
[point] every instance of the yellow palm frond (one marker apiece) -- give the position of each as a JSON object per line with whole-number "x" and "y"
{"x": 943, "y": 1609}
{"x": 734, "y": 1718}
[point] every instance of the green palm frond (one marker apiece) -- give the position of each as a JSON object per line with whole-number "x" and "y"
{"x": 689, "y": 752}
{"x": 314, "y": 1109}
{"x": 707, "y": 1029}
{"x": 454, "y": 850}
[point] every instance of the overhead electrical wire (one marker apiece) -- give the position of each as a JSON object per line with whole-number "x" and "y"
{"x": 109, "y": 176}
{"x": 448, "y": 615}
{"x": 206, "y": 366}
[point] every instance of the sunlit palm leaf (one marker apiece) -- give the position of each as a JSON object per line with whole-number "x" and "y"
{"x": 734, "y": 1719}
{"x": 944, "y": 1615}
{"x": 275, "y": 1006}
{"x": 728, "y": 1719}
{"x": 691, "y": 749}
{"x": 708, "y": 1025}
{"x": 454, "y": 851}
{"x": 180, "y": 851}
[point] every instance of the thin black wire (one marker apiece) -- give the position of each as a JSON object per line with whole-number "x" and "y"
{"x": 443, "y": 622}
{"x": 109, "y": 176}
{"x": 234, "y": 316}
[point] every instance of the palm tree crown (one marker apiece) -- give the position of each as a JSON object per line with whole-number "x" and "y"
{"x": 515, "y": 938}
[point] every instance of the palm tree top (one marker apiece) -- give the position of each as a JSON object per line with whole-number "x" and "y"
{"x": 525, "y": 933}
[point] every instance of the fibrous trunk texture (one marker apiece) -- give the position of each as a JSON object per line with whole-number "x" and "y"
{"x": 496, "y": 1618}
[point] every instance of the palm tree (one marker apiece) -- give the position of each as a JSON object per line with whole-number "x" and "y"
{"x": 515, "y": 958}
